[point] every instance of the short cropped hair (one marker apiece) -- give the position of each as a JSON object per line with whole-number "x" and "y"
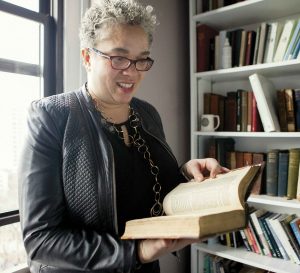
{"x": 106, "y": 13}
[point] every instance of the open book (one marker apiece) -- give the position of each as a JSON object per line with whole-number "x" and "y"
{"x": 200, "y": 209}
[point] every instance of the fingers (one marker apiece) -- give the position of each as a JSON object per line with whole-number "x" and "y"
{"x": 152, "y": 249}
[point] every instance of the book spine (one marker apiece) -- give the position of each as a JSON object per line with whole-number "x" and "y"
{"x": 282, "y": 112}
{"x": 297, "y": 108}
{"x": 272, "y": 173}
{"x": 290, "y": 112}
{"x": 295, "y": 225}
{"x": 283, "y": 163}
{"x": 270, "y": 239}
{"x": 292, "y": 240}
{"x": 278, "y": 243}
{"x": 293, "y": 172}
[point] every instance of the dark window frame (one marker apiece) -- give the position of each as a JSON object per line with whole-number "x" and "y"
{"x": 51, "y": 16}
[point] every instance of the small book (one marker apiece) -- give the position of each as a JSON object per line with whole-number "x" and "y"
{"x": 199, "y": 210}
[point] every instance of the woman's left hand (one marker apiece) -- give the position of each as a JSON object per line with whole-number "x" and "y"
{"x": 199, "y": 168}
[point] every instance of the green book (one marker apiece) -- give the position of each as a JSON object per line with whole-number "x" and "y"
{"x": 293, "y": 172}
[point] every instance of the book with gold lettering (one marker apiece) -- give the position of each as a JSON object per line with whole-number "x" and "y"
{"x": 200, "y": 209}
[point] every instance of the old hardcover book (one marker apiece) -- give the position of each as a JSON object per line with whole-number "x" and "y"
{"x": 293, "y": 172}
{"x": 259, "y": 185}
{"x": 283, "y": 164}
{"x": 282, "y": 112}
{"x": 272, "y": 172}
{"x": 205, "y": 34}
{"x": 250, "y": 47}
{"x": 290, "y": 110}
{"x": 199, "y": 210}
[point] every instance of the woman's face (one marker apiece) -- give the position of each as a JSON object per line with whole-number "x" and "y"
{"x": 117, "y": 86}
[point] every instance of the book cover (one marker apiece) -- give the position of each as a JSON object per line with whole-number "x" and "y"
{"x": 283, "y": 164}
{"x": 275, "y": 32}
{"x": 194, "y": 210}
{"x": 272, "y": 172}
{"x": 293, "y": 173}
{"x": 293, "y": 41}
{"x": 284, "y": 40}
{"x": 204, "y": 35}
{"x": 265, "y": 95}
{"x": 244, "y": 111}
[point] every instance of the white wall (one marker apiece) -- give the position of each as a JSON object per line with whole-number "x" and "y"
{"x": 166, "y": 85}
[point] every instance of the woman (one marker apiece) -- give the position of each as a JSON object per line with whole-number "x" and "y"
{"x": 97, "y": 157}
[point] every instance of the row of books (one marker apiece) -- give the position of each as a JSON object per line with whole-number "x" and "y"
{"x": 207, "y": 5}
{"x": 216, "y": 264}
{"x": 263, "y": 109}
{"x": 273, "y": 234}
{"x": 237, "y": 110}
{"x": 280, "y": 174}
{"x": 270, "y": 42}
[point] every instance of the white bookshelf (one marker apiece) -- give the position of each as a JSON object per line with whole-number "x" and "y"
{"x": 282, "y": 74}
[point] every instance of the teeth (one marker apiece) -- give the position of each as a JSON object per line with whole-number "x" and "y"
{"x": 126, "y": 85}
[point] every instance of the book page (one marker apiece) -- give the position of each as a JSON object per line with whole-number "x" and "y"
{"x": 212, "y": 195}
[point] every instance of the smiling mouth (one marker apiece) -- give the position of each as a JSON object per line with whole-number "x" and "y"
{"x": 125, "y": 85}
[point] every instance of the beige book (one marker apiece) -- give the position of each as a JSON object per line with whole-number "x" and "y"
{"x": 200, "y": 209}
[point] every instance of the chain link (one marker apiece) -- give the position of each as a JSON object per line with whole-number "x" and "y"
{"x": 137, "y": 141}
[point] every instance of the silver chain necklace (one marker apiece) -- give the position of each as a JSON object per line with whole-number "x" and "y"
{"x": 137, "y": 141}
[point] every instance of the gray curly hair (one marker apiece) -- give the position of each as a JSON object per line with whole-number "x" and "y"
{"x": 110, "y": 12}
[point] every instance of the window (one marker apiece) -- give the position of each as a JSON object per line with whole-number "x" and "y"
{"x": 29, "y": 50}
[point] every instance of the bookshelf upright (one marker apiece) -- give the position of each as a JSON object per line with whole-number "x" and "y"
{"x": 248, "y": 15}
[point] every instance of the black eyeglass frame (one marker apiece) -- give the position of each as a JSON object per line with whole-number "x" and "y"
{"x": 130, "y": 61}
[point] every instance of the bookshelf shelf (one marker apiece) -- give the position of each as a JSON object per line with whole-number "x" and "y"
{"x": 243, "y": 256}
{"x": 290, "y": 67}
{"x": 247, "y": 12}
{"x": 250, "y": 134}
{"x": 274, "y": 201}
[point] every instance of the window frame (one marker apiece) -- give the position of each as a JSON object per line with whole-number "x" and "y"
{"x": 51, "y": 16}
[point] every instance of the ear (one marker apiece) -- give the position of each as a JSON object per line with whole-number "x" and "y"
{"x": 85, "y": 54}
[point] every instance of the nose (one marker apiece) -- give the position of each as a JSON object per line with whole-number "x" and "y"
{"x": 130, "y": 70}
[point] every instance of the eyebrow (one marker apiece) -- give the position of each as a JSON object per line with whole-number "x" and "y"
{"x": 125, "y": 51}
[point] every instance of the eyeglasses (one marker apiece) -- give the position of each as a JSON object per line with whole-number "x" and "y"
{"x": 122, "y": 63}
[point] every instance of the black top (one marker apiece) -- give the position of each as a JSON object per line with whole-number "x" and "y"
{"x": 134, "y": 181}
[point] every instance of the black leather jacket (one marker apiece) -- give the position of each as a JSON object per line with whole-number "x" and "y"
{"x": 67, "y": 187}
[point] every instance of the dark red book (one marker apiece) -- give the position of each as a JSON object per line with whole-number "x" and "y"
{"x": 251, "y": 35}
{"x": 204, "y": 38}
{"x": 256, "y": 125}
{"x": 281, "y": 109}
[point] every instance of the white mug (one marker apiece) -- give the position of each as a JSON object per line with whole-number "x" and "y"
{"x": 209, "y": 122}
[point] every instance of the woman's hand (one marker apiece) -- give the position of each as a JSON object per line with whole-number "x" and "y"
{"x": 152, "y": 249}
{"x": 199, "y": 168}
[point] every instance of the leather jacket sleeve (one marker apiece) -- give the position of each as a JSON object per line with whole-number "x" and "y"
{"x": 49, "y": 238}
